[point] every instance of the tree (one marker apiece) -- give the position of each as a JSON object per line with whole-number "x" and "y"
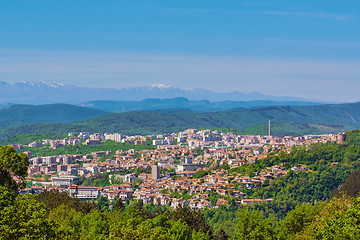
{"x": 141, "y": 211}
{"x": 179, "y": 230}
{"x": 22, "y": 217}
{"x": 12, "y": 165}
{"x": 119, "y": 205}
{"x": 221, "y": 235}
{"x": 193, "y": 218}
{"x": 338, "y": 219}
{"x": 95, "y": 225}
{"x": 297, "y": 220}
{"x": 68, "y": 222}
{"x": 342, "y": 224}
{"x": 200, "y": 174}
{"x": 252, "y": 226}
{"x": 351, "y": 187}
{"x": 103, "y": 203}
{"x": 53, "y": 199}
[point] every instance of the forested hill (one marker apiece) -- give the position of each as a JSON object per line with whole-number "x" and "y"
{"x": 181, "y": 102}
{"x": 55, "y": 113}
{"x": 287, "y": 120}
{"x": 334, "y": 117}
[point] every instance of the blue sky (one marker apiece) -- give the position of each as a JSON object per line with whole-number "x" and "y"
{"x": 301, "y": 48}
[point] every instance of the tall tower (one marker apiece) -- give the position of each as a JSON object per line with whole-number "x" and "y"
{"x": 155, "y": 171}
{"x": 269, "y": 133}
{"x": 341, "y": 138}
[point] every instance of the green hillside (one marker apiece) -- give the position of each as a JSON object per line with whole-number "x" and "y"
{"x": 287, "y": 120}
{"x": 291, "y": 129}
{"x": 181, "y": 102}
{"x": 320, "y": 117}
{"x": 17, "y": 115}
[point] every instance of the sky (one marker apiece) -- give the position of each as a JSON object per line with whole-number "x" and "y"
{"x": 301, "y": 48}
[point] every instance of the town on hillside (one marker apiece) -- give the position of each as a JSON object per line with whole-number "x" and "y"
{"x": 182, "y": 168}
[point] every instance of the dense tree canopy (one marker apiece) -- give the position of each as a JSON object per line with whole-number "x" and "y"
{"x": 351, "y": 187}
{"x": 22, "y": 217}
{"x": 53, "y": 199}
{"x": 12, "y": 165}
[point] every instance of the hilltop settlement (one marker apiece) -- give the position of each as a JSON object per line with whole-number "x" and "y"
{"x": 183, "y": 168}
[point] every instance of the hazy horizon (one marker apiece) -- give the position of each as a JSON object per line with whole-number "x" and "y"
{"x": 305, "y": 49}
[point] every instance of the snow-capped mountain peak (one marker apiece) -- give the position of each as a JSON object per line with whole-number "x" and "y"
{"x": 51, "y": 84}
{"x": 162, "y": 86}
{"x": 50, "y": 92}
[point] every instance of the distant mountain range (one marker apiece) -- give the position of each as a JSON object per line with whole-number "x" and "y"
{"x": 287, "y": 120}
{"x": 160, "y": 108}
{"x": 53, "y": 92}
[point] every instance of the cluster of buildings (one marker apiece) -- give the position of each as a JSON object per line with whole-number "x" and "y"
{"x": 53, "y": 143}
{"x": 169, "y": 171}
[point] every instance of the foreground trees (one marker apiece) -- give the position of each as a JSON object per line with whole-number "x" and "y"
{"x": 252, "y": 225}
{"x": 22, "y": 217}
{"x": 337, "y": 219}
{"x": 12, "y": 165}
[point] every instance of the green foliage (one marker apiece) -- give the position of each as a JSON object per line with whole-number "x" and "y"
{"x": 193, "y": 218}
{"x": 97, "y": 180}
{"x": 119, "y": 205}
{"x": 338, "y": 219}
{"x": 251, "y": 225}
{"x": 177, "y": 194}
{"x": 54, "y": 113}
{"x": 28, "y": 138}
{"x": 104, "y": 203}
{"x": 351, "y": 187}
{"x": 137, "y": 183}
{"x": 174, "y": 177}
{"x": 138, "y": 223}
{"x": 200, "y": 174}
{"x": 95, "y": 225}
{"x": 68, "y": 222}
{"x": 85, "y": 149}
{"x": 353, "y": 137}
{"x": 221, "y": 219}
{"x": 53, "y": 199}
{"x": 213, "y": 197}
{"x": 127, "y": 226}
{"x": 22, "y": 217}
{"x": 297, "y": 220}
{"x": 12, "y": 164}
{"x": 221, "y": 235}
